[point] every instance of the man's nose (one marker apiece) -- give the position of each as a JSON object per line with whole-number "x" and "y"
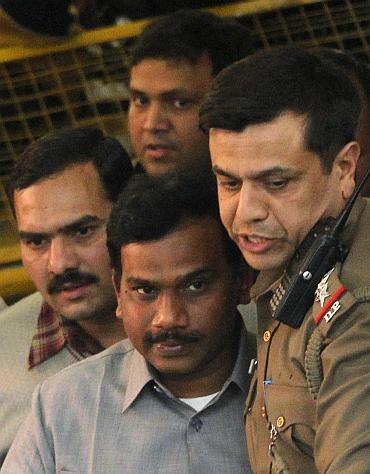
{"x": 252, "y": 206}
{"x": 156, "y": 118}
{"x": 170, "y": 312}
{"x": 62, "y": 255}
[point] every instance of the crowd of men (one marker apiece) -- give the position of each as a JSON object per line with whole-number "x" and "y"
{"x": 244, "y": 165}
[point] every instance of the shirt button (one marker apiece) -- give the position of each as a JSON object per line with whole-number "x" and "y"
{"x": 280, "y": 422}
{"x": 266, "y": 336}
{"x": 196, "y": 423}
{"x": 263, "y": 412}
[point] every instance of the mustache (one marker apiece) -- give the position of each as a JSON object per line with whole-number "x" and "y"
{"x": 73, "y": 277}
{"x": 172, "y": 335}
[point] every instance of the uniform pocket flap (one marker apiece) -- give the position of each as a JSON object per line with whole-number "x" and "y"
{"x": 288, "y": 405}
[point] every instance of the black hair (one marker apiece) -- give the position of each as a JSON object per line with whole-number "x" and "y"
{"x": 353, "y": 68}
{"x": 188, "y": 34}
{"x": 151, "y": 207}
{"x": 54, "y": 152}
{"x": 265, "y": 85}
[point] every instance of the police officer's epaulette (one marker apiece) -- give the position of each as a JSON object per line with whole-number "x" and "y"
{"x": 332, "y": 301}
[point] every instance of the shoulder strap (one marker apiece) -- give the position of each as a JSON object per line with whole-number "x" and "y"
{"x": 362, "y": 294}
{"x": 312, "y": 361}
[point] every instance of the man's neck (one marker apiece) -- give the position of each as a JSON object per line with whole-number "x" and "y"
{"x": 106, "y": 332}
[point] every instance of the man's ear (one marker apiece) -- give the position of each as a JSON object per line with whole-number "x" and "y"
{"x": 116, "y": 285}
{"x": 345, "y": 165}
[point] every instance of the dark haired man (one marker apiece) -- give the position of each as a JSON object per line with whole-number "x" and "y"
{"x": 64, "y": 186}
{"x": 173, "y": 64}
{"x": 172, "y": 399}
{"x": 282, "y": 141}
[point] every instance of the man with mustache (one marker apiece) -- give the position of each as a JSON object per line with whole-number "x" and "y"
{"x": 63, "y": 189}
{"x": 282, "y": 128}
{"x": 173, "y": 63}
{"x": 169, "y": 399}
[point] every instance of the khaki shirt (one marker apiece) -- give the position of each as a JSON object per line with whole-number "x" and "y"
{"x": 329, "y": 434}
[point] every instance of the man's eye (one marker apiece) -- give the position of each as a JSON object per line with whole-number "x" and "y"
{"x": 182, "y": 103}
{"x": 139, "y": 101}
{"x": 228, "y": 183}
{"x": 196, "y": 285}
{"x": 277, "y": 183}
{"x": 84, "y": 231}
{"x": 36, "y": 243}
{"x": 145, "y": 290}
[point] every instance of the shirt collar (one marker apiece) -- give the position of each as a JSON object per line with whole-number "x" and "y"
{"x": 53, "y": 332}
{"x": 141, "y": 374}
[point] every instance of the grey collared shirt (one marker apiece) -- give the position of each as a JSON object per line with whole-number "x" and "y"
{"x": 108, "y": 415}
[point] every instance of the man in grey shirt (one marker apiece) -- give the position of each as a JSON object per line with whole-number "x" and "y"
{"x": 172, "y": 399}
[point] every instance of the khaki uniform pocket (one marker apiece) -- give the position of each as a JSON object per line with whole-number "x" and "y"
{"x": 293, "y": 413}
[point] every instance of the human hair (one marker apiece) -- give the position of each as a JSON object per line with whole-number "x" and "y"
{"x": 54, "y": 152}
{"x": 151, "y": 207}
{"x": 357, "y": 71}
{"x": 188, "y": 34}
{"x": 265, "y": 85}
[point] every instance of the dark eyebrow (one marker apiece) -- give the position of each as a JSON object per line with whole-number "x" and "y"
{"x": 169, "y": 95}
{"x": 83, "y": 221}
{"x": 140, "y": 282}
{"x": 202, "y": 272}
{"x": 181, "y": 280}
{"x": 275, "y": 171}
{"x": 69, "y": 228}
{"x": 175, "y": 93}
{"x": 136, "y": 91}
{"x": 219, "y": 171}
{"x": 32, "y": 235}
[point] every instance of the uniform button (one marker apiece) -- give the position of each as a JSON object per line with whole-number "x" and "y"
{"x": 263, "y": 412}
{"x": 280, "y": 422}
{"x": 266, "y": 336}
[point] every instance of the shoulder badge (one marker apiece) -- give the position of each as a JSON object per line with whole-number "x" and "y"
{"x": 332, "y": 305}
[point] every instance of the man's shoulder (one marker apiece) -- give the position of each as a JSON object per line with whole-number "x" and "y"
{"x": 24, "y": 312}
{"x": 109, "y": 365}
{"x": 18, "y": 323}
{"x": 356, "y": 268}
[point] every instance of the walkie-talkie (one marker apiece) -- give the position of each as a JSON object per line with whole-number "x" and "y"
{"x": 321, "y": 250}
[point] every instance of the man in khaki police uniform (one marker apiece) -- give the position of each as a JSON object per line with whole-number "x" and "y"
{"x": 282, "y": 127}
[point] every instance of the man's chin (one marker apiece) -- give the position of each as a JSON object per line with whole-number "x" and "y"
{"x": 159, "y": 168}
{"x": 266, "y": 263}
{"x": 74, "y": 310}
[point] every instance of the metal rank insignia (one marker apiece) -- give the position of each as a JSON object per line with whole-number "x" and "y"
{"x": 321, "y": 292}
{"x": 277, "y": 297}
